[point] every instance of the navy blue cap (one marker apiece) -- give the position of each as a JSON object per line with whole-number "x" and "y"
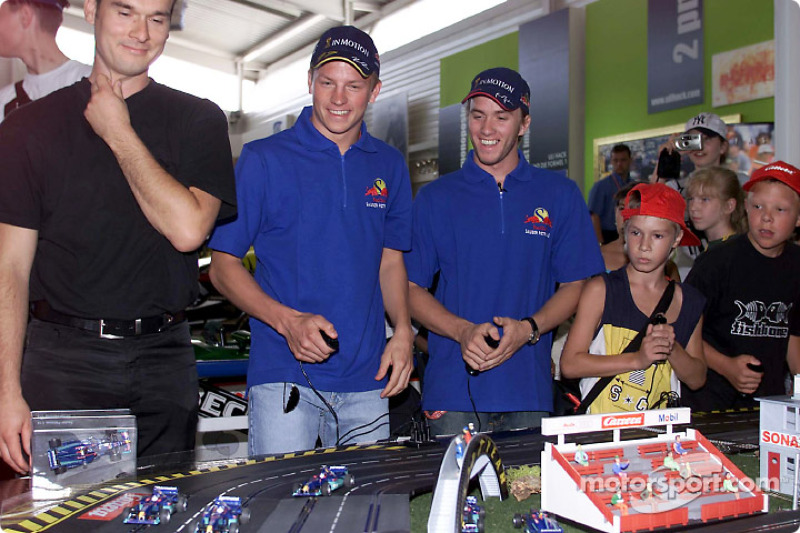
{"x": 504, "y": 86}
{"x": 348, "y": 44}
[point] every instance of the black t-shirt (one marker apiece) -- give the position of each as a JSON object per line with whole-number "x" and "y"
{"x": 97, "y": 255}
{"x": 751, "y": 308}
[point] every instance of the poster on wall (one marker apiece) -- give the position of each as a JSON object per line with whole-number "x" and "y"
{"x": 674, "y": 54}
{"x": 390, "y": 121}
{"x": 744, "y": 74}
{"x": 750, "y": 146}
{"x": 544, "y": 64}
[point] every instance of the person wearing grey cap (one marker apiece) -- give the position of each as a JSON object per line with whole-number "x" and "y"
{"x": 711, "y": 131}
{"x": 712, "y": 151}
{"x": 328, "y": 209}
{"x": 501, "y": 233}
{"x": 29, "y": 33}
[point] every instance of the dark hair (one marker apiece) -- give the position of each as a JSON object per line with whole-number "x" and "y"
{"x": 50, "y": 17}
{"x": 620, "y": 195}
{"x": 621, "y": 148}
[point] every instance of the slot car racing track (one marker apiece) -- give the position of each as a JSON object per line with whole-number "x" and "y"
{"x": 385, "y": 476}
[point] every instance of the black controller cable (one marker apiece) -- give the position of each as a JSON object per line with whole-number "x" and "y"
{"x": 334, "y": 345}
{"x": 492, "y": 343}
{"x": 324, "y": 401}
{"x": 363, "y": 426}
{"x": 472, "y": 401}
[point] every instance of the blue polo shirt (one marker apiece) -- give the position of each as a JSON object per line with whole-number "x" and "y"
{"x": 601, "y": 199}
{"x": 319, "y": 222}
{"x": 498, "y": 254}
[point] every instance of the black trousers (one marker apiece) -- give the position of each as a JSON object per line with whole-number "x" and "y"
{"x": 155, "y": 376}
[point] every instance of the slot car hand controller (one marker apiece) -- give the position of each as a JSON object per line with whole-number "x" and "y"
{"x": 332, "y": 343}
{"x": 756, "y": 367}
{"x": 492, "y": 343}
{"x": 659, "y": 319}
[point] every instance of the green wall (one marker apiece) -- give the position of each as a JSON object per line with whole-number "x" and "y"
{"x": 616, "y": 66}
{"x": 458, "y": 69}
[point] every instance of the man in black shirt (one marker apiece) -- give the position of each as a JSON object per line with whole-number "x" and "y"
{"x": 110, "y": 185}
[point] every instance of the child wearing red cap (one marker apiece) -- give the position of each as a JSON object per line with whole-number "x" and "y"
{"x": 616, "y": 306}
{"x": 751, "y": 333}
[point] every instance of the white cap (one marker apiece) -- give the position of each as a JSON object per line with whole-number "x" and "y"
{"x": 765, "y": 149}
{"x": 709, "y": 122}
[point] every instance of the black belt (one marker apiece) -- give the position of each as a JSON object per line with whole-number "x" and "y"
{"x": 108, "y": 329}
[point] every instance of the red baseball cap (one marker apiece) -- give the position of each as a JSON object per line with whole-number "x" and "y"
{"x": 658, "y": 200}
{"x": 779, "y": 170}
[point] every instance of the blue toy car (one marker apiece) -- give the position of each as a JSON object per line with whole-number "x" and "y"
{"x": 158, "y": 507}
{"x": 75, "y": 453}
{"x": 472, "y": 516}
{"x": 328, "y": 480}
{"x": 223, "y": 516}
{"x": 536, "y": 522}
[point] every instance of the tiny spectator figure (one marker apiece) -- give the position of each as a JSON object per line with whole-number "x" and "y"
{"x": 649, "y": 496}
{"x": 618, "y": 501}
{"x": 730, "y": 485}
{"x": 685, "y": 470}
{"x": 619, "y": 468}
{"x": 677, "y": 447}
{"x": 468, "y": 432}
{"x": 581, "y": 457}
{"x": 670, "y": 463}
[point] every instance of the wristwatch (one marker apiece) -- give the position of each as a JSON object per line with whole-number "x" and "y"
{"x": 534, "y": 338}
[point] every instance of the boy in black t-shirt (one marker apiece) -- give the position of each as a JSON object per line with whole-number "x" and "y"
{"x": 751, "y": 330}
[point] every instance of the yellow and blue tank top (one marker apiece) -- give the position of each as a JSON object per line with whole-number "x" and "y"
{"x": 637, "y": 390}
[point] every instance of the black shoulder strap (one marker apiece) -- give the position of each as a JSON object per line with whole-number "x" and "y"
{"x": 21, "y": 99}
{"x": 602, "y": 383}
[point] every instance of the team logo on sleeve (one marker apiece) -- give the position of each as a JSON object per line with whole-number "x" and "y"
{"x": 377, "y": 194}
{"x": 540, "y": 223}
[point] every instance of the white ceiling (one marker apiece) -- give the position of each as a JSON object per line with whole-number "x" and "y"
{"x": 218, "y": 33}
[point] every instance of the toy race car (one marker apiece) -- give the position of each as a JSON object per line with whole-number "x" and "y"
{"x": 158, "y": 507}
{"x": 472, "y": 516}
{"x": 536, "y": 522}
{"x": 223, "y": 516}
{"x": 328, "y": 480}
{"x": 75, "y": 453}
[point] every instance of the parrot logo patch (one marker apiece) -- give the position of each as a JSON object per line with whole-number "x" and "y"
{"x": 540, "y": 222}
{"x": 378, "y": 194}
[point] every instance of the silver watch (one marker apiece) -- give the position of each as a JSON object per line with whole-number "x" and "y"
{"x": 534, "y": 338}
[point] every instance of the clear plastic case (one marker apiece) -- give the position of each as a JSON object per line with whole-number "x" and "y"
{"x": 77, "y": 448}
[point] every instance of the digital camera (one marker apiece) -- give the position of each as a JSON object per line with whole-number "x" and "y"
{"x": 688, "y": 142}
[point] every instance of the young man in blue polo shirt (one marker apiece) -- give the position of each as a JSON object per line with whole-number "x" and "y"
{"x": 502, "y": 234}
{"x": 328, "y": 209}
